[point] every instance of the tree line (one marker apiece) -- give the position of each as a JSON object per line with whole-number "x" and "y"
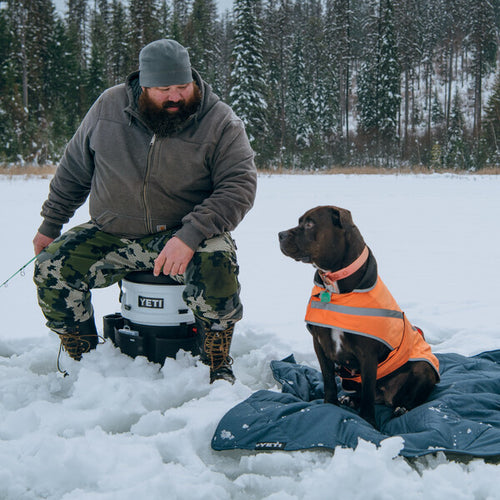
{"x": 318, "y": 83}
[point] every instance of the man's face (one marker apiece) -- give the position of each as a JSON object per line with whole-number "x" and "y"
{"x": 171, "y": 98}
{"x": 166, "y": 109}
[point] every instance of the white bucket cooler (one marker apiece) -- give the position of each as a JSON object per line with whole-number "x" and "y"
{"x": 154, "y": 320}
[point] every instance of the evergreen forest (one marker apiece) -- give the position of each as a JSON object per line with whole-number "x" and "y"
{"x": 318, "y": 83}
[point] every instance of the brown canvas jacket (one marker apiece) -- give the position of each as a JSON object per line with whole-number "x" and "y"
{"x": 200, "y": 181}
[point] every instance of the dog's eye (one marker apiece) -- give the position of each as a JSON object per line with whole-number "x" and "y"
{"x": 308, "y": 224}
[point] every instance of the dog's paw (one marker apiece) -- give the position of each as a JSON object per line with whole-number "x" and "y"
{"x": 331, "y": 400}
{"x": 400, "y": 410}
{"x": 348, "y": 401}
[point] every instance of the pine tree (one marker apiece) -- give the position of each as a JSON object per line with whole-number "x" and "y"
{"x": 430, "y": 20}
{"x": 368, "y": 105}
{"x": 297, "y": 102}
{"x": 180, "y": 16}
{"x": 323, "y": 82}
{"x": 379, "y": 84}
{"x": 28, "y": 66}
{"x": 247, "y": 93}
{"x": 222, "y": 81}
{"x": 76, "y": 60}
{"x": 144, "y": 28}
{"x": 98, "y": 76}
{"x": 455, "y": 149}
{"x": 45, "y": 49}
{"x": 278, "y": 32}
{"x": 11, "y": 108}
{"x": 319, "y": 92}
{"x": 201, "y": 37}
{"x": 453, "y": 31}
{"x": 62, "y": 115}
{"x": 483, "y": 42}
{"x": 437, "y": 111}
{"x": 219, "y": 70}
{"x": 491, "y": 129}
{"x": 338, "y": 61}
{"x": 390, "y": 73}
{"x": 118, "y": 64}
{"x": 164, "y": 18}
{"x": 409, "y": 43}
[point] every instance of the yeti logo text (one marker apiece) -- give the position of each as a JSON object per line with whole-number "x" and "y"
{"x": 150, "y": 303}
{"x": 273, "y": 445}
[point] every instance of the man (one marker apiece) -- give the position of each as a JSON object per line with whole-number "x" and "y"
{"x": 169, "y": 172}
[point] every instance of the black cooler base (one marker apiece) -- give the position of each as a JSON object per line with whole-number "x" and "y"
{"x": 154, "y": 342}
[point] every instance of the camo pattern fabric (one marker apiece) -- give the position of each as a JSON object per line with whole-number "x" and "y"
{"x": 84, "y": 258}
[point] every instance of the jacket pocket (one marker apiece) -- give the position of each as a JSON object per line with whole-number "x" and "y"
{"x": 120, "y": 225}
{"x": 104, "y": 219}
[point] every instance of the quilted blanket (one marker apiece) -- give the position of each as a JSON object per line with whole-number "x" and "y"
{"x": 462, "y": 415}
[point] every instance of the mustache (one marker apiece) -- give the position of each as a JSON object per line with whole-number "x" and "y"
{"x": 174, "y": 104}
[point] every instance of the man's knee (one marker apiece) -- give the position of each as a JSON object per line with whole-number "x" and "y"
{"x": 215, "y": 267}
{"x": 75, "y": 256}
{"x": 212, "y": 286}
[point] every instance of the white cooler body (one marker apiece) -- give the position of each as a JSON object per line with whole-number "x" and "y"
{"x": 154, "y": 305}
{"x": 154, "y": 320}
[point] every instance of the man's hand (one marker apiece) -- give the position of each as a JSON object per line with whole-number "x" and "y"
{"x": 174, "y": 258}
{"x": 41, "y": 241}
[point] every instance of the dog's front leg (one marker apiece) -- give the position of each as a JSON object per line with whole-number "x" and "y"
{"x": 368, "y": 369}
{"x": 328, "y": 371}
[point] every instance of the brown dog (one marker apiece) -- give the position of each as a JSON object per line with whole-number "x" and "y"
{"x": 359, "y": 331}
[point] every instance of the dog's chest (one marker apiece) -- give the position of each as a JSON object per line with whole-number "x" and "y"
{"x": 332, "y": 342}
{"x": 337, "y": 346}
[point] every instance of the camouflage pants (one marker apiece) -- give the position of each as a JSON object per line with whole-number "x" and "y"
{"x": 84, "y": 258}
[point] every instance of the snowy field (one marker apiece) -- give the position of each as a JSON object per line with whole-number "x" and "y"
{"x": 119, "y": 428}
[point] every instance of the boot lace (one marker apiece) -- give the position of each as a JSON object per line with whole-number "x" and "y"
{"x": 75, "y": 345}
{"x": 216, "y": 347}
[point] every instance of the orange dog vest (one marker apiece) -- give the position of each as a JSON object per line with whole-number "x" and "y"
{"x": 372, "y": 313}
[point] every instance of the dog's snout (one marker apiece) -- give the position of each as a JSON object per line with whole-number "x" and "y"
{"x": 282, "y": 235}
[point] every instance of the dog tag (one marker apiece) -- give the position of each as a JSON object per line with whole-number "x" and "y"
{"x": 325, "y": 296}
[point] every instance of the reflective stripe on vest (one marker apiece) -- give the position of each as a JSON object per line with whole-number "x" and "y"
{"x": 372, "y": 313}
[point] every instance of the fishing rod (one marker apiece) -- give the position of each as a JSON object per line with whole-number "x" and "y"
{"x": 20, "y": 270}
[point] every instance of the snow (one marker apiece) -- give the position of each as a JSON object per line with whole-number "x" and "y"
{"x": 119, "y": 428}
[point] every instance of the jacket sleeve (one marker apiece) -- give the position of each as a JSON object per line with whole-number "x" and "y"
{"x": 70, "y": 186}
{"x": 234, "y": 178}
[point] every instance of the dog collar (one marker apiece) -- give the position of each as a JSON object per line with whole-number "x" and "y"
{"x": 331, "y": 277}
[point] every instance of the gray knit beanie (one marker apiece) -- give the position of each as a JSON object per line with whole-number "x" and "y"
{"x": 163, "y": 63}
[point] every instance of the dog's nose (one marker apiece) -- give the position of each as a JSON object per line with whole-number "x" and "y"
{"x": 282, "y": 235}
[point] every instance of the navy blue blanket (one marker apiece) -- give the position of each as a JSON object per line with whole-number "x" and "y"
{"x": 462, "y": 415}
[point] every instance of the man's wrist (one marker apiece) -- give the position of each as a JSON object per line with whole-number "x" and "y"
{"x": 50, "y": 229}
{"x": 190, "y": 236}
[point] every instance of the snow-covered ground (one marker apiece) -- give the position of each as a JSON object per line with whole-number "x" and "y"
{"x": 118, "y": 428}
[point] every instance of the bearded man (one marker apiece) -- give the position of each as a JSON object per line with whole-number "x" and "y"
{"x": 169, "y": 172}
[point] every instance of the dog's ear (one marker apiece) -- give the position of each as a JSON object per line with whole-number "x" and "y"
{"x": 341, "y": 217}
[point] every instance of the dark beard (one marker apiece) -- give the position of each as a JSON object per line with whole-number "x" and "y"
{"x": 162, "y": 122}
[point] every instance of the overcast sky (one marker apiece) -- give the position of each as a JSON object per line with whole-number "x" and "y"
{"x": 224, "y": 4}
{"x": 61, "y": 5}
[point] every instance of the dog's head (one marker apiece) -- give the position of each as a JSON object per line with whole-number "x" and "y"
{"x": 325, "y": 236}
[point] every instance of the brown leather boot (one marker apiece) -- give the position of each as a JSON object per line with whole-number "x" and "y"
{"x": 216, "y": 345}
{"x": 80, "y": 338}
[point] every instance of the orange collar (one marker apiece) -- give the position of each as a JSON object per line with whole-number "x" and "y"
{"x": 332, "y": 277}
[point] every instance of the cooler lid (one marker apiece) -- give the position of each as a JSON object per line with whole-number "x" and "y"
{"x": 147, "y": 277}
